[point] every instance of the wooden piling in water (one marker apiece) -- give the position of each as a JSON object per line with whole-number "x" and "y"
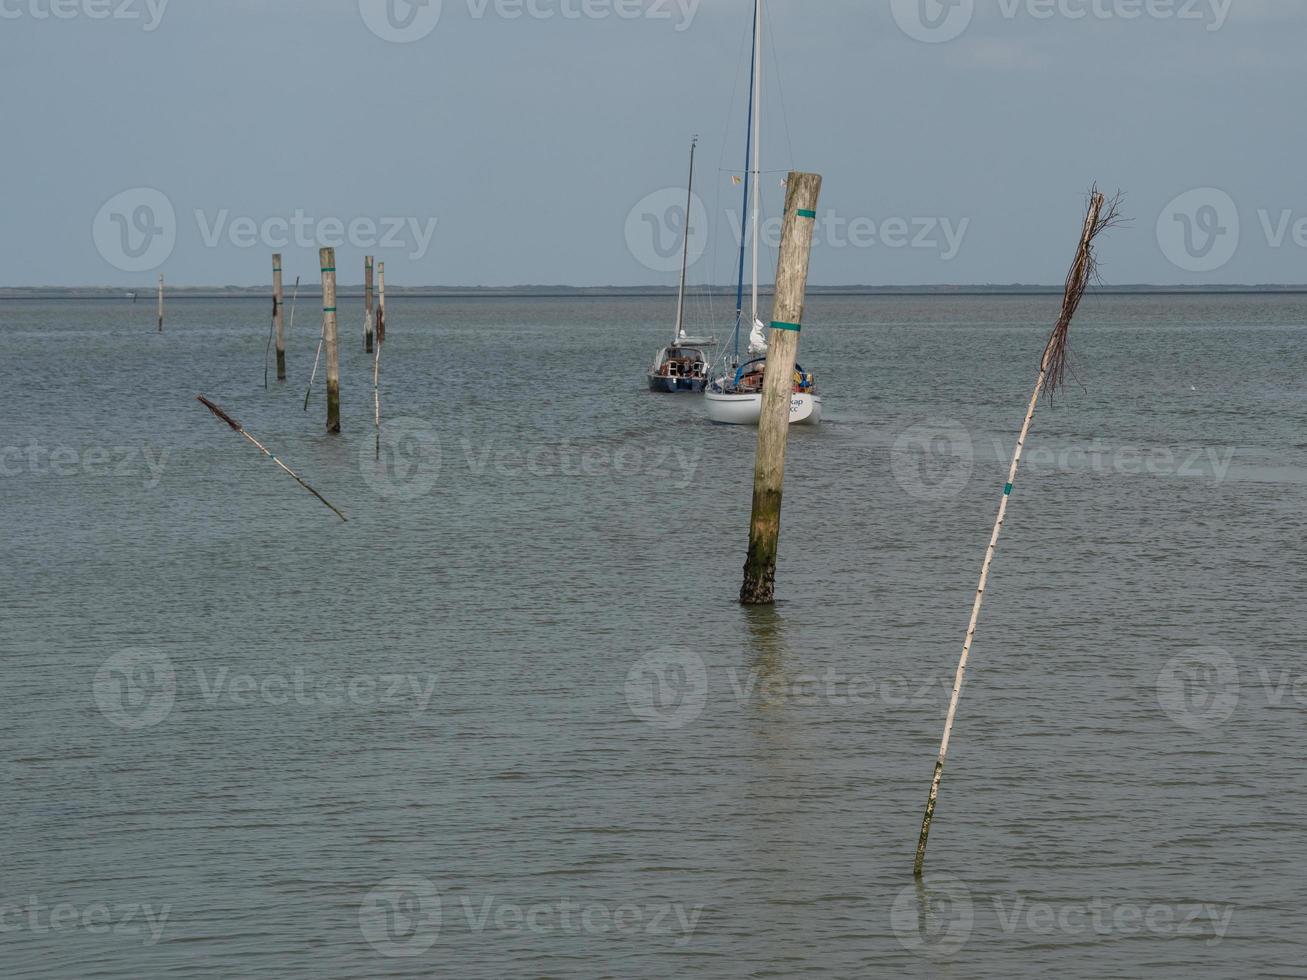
{"x": 160, "y": 302}
{"x": 801, "y": 197}
{"x": 367, "y": 304}
{"x": 278, "y": 299}
{"x": 376, "y": 358}
{"x": 330, "y": 345}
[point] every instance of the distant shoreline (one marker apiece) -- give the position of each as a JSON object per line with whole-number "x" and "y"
{"x": 146, "y": 293}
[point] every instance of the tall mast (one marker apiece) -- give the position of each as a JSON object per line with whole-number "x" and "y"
{"x": 685, "y": 255}
{"x": 757, "y": 148}
{"x": 744, "y": 209}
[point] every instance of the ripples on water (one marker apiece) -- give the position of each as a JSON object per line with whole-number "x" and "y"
{"x": 582, "y": 538}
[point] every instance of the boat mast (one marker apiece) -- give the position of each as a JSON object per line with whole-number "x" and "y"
{"x": 744, "y": 209}
{"x": 685, "y": 255}
{"x": 757, "y": 149}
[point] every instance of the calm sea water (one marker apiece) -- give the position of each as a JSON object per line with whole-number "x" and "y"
{"x": 509, "y": 721}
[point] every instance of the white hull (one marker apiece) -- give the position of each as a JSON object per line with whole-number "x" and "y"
{"x": 747, "y": 409}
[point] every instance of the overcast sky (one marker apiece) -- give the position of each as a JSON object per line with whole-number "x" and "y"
{"x": 544, "y": 141}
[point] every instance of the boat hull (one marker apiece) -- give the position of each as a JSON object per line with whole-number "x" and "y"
{"x": 747, "y": 409}
{"x": 676, "y": 386}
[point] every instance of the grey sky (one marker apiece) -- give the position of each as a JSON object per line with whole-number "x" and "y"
{"x": 530, "y": 139}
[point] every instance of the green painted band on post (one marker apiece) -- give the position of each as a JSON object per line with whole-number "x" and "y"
{"x": 805, "y": 213}
{"x": 332, "y": 269}
{"x": 778, "y": 325}
{"x": 1007, "y": 490}
{"x": 328, "y": 309}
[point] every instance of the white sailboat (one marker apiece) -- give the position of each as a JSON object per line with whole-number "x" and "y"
{"x": 734, "y": 395}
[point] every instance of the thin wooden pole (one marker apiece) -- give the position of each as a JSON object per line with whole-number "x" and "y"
{"x": 1054, "y": 352}
{"x": 376, "y": 358}
{"x": 277, "y": 318}
{"x": 160, "y": 302}
{"x": 778, "y": 386}
{"x": 381, "y": 301}
{"x": 330, "y": 345}
{"x": 367, "y": 304}
{"x": 216, "y": 410}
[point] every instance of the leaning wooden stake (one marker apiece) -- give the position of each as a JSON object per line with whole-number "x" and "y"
{"x": 778, "y": 386}
{"x": 1052, "y": 372}
{"x": 277, "y": 319}
{"x": 267, "y": 452}
{"x": 367, "y": 304}
{"x": 328, "y": 257}
{"x": 381, "y": 301}
{"x": 322, "y": 336}
{"x": 376, "y": 358}
{"x": 160, "y": 302}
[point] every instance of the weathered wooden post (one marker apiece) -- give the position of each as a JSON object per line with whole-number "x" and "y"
{"x": 376, "y": 358}
{"x": 367, "y": 304}
{"x": 778, "y": 385}
{"x": 160, "y": 302}
{"x": 277, "y": 318}
{"x": 328, "y": 257}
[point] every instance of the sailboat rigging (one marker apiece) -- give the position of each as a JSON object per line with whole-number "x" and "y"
{"x": 683, "y": 366}
{"x": 734, "y": 395}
